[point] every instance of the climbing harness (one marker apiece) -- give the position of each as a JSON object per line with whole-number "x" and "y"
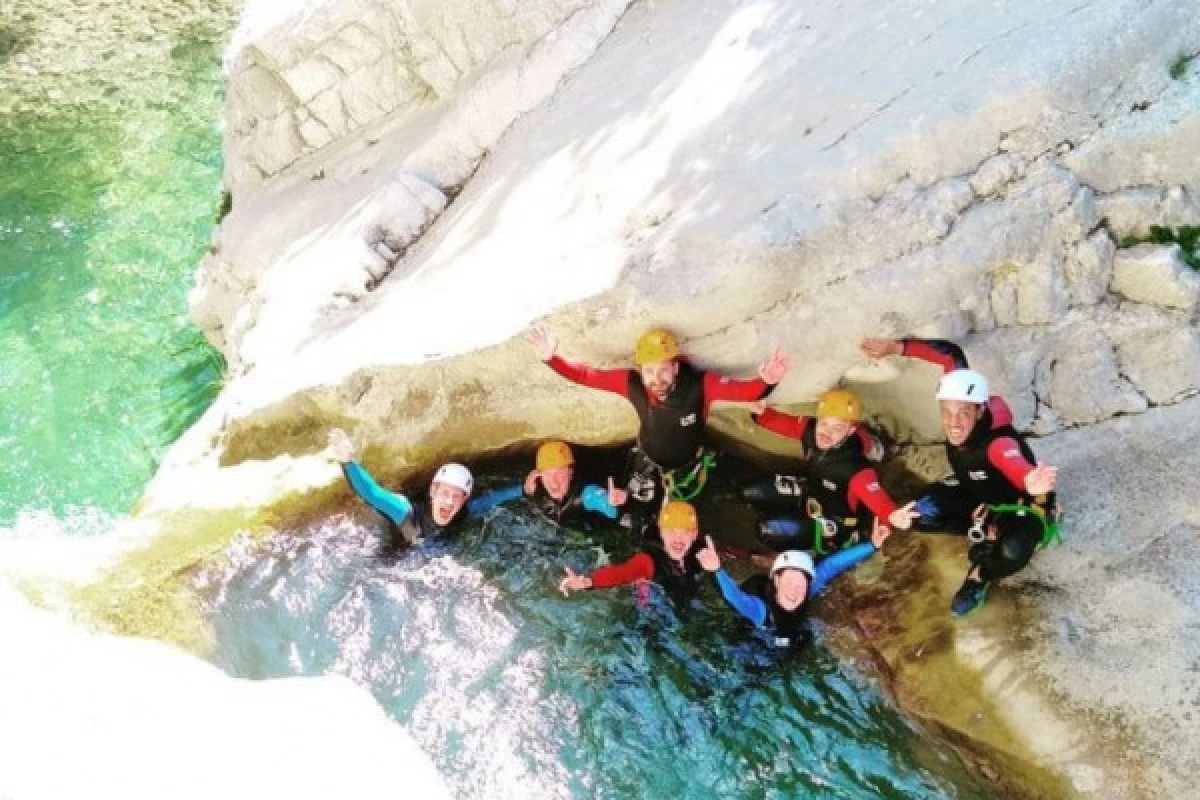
{"x": 691, "y": 483}
{"x": 1051, "y": 529}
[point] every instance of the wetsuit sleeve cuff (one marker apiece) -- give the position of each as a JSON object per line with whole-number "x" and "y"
{"x": 595, "y": 498}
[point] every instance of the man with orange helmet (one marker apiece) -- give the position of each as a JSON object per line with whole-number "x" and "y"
{"x": 837, "y": 496}
{"x": 671, "y": 562}
{"x": 672, "y": 400}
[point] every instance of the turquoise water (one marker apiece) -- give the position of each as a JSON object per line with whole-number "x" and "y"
{"x": 103, "y": 216}
{"x": 518, "y": 692}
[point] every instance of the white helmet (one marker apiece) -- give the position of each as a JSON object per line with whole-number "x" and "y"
{"x": 455, "y": 475}
{"x": 966, "y": 385}
{"x": 793, "y": 559}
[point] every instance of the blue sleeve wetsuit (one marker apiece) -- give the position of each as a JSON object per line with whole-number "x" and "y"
{"x": 754, "y": 608}
{"x": 396, "y": 507}
{"x": 592, "y": 498}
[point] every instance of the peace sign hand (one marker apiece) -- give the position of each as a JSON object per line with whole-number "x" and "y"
{"x": 904, "y": 516}
{"x": 775, "y": 367}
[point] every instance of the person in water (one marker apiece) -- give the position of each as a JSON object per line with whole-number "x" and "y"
{"x": 671, "y": 562}
{"x": 672, "y": 400}
{"x": 997, "y": 493}
{"x": 411, "y": 521}
{"x": 837, "y": 497}
{"x": 779, "y": 602}
{"x": 555, "y": 489}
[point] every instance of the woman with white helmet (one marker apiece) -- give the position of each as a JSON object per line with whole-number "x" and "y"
{"x": 996, "y": 493}
{"x": 779, "y": 602}
{"x": 410, "y": 521}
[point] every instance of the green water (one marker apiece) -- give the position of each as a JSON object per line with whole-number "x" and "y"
{"x": 104, "y": 212}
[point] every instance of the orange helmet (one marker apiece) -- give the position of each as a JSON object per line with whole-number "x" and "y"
{"x": 840, "y": 404}
{"x": 655, "y": 345}
{"x": 554, "y": 454}
{"x": 678, "y": 516}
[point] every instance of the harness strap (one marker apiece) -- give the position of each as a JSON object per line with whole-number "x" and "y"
{"x": 1051, "y": 531}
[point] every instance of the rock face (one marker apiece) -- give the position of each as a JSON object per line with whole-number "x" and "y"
{"x": 406, "y": 202}
{"x": 106, "y": 716}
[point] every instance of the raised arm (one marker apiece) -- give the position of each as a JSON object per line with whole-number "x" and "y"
{"x": 744, "y": 603}
{"x": 838, "y": 563}
{"x": 396, "y": 507}
{"x": 940, "y": 352}
{"x": 781, "y": 423}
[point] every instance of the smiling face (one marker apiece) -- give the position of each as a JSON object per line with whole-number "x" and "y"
{"x": 791, "y": 587}
{"x": 659, "y": 377}
{"x": 832, "y": 431}
{"x": 445, "y": 502}
{"x": 557, "y": 481}
{"x": 958, "y": 419}
{"x": 677, "y": 541}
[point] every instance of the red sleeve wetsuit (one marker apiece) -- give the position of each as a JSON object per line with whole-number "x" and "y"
{"x": 863, "y": 488}
{"x": 992, "y": 465}
{"x": 716, "y": 387}
{"x": 671, "y": 429}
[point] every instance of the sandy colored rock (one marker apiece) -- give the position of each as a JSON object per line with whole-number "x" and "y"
{"x": 1157, "y": 275}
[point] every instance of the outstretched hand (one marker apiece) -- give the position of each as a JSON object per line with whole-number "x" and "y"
{"x": 573, "y": 582}
{"x": 616, "y": 497}
{"x": 775, "y": 367}
{"x": 707, "y": 556}
{"x": 340, "y": 446}
{"x": 904, "y": 516}
{"x": 878, "y": 348}
{"x": 544, "y": 343}
{"x": 1041, "y": 480}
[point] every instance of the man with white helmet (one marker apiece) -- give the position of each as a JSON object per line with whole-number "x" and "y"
{"x": 997, "y": 493}
{"x": 779, "y": 602}
{"x": 410, "y": 521}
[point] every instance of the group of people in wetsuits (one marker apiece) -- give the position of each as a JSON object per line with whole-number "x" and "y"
{"x": 830, "y": 515}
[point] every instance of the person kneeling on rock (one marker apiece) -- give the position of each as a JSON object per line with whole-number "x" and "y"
{"x": 779, "y": 602}
{"x": 997, "y": 492}
{"x": 671, "y": 562}
{"x": 411, "y": 521}
{"x": 835, "y": 499}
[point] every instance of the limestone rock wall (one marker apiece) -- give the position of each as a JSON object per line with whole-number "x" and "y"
{"x": 303, "y": 75}
{"x": 746, "y": 172}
